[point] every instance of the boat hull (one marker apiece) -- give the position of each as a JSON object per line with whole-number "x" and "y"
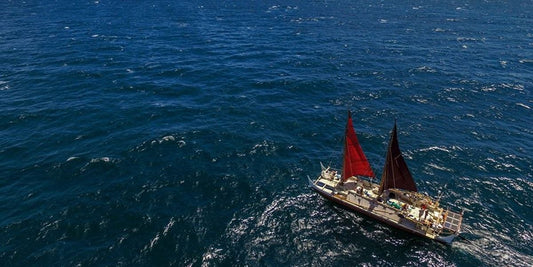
{"x": 376, "y": 210}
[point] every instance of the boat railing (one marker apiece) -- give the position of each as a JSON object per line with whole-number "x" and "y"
{"x": 338, "y": 171}
{"x": 448, "y": 209}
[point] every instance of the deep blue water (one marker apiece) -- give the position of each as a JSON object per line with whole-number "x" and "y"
{"x": 183, "y": 132}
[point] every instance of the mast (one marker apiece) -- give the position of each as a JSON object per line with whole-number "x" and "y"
{"x": 396, "y": 174}
{"x": 354, "y": 159}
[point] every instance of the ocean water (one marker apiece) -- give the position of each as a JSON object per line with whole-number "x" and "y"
{"x": 183, "y": 132}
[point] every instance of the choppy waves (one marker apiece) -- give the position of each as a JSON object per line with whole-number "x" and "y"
{"x": 183, "y": 134}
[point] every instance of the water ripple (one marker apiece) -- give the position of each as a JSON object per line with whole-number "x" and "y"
{"x": 180, "y": 133}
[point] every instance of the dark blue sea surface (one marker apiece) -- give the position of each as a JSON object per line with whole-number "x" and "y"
{"x": 183, "y": 132}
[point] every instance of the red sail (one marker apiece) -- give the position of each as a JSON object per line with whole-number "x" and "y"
{"x": 355, "y": 162}
{"x": 395, "y": 173}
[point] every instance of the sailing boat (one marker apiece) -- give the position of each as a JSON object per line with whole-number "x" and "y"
{"x": 394, "y": 201}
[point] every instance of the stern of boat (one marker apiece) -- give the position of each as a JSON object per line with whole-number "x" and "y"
{"x": 447, "y": 239}
{"x": 452, "y": 226}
